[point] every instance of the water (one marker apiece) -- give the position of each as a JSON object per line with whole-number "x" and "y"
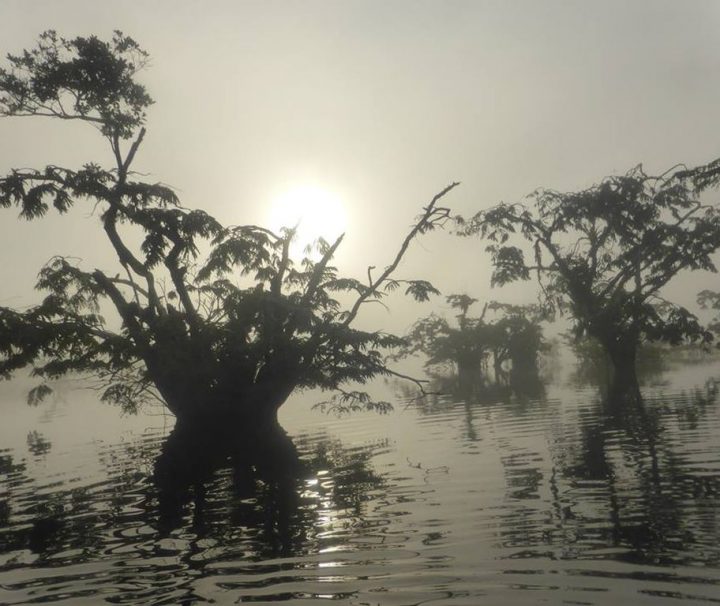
{"x": 555, "y": 500}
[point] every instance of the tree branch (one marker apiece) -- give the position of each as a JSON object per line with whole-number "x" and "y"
{"x": 124, "y": 309}
{"x": 432, "y": 216}
{"x": 133, "y": 150}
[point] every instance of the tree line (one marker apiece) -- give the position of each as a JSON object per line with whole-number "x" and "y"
{"x": 231, "y": 332}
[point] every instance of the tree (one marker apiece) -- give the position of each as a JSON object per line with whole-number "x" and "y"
{"x": 710, "y": 299}
{"x": 514, "y": 336}
{"x": 705, "y": 177}
{"x": 519, "y": 339}
{"x": 604, "y": 254}
{"x": 231, "y": 332}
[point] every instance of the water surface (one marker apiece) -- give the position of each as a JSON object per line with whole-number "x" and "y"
{"x": 561, "y": 499}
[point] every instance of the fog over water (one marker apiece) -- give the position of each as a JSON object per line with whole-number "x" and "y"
{"x": 349, "y": 116}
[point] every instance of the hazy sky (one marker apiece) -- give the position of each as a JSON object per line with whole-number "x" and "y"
{"x": 382, "y": 104}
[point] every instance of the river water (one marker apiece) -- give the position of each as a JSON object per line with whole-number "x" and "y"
{"x": 560, "y": 498}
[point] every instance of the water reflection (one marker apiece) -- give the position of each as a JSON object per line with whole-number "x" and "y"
{"x": 501, "y": 498}
{"x": 622, "y": 485}
{"x": 447, "y": 390}
{"x": 603, "y": 479}
{"x": 264, "y": 488}
{"x": 655, "y": 506}
{"x": 169, "y": 507}
{"x": 37, "y": 444}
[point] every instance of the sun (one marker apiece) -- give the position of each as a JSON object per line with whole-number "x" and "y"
{"x": 317, "y": 212}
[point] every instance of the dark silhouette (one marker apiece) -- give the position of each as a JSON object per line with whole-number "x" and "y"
{"x": 592, "y": 366}
{"x": 249, "y": 497}
{"x": 193, "y": 452}
{"x": 481, "y": 352}
{"x": 204, "y": 345}
{"x": 262, "y": 487}
{"x": 710, "y": 299}
{"x": 649, "y": 487}
{"x": 602, "y": 256}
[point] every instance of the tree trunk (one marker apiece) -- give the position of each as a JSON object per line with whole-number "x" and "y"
{"x": 622, "y": 353}
{"x": 469, "y": 372}
{"x": 216, "y": 398}
{"x": 250, "y": 412}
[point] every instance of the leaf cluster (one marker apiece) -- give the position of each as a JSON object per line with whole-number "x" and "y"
{"x": 604, "y": 254}
{"x": 83, "y": 78}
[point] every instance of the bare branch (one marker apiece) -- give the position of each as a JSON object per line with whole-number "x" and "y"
{"x": 430, "y": 218}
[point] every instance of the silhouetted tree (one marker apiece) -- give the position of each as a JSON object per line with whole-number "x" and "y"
{"x": 519, "y": 338}
{"x": 592, "y": 365}
{"x": 604, "y": 254}
{"x": 710, "y": 299}
{"x": 462, "y": 302}
{"x": 514, "y": 336}
{"x": 229, "y": 333}
{"x": 704, "y": 177}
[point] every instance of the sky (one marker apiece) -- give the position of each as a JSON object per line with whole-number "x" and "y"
{"x": 378, "y": 105}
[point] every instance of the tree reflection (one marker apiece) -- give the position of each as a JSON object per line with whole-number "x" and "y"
{"x": 254, "y": 499}
{"x": 268, "y": 495}
{"x": 621, "y": 480}
{"x": 12, "y": 475}
{"x": 628, "y": 454}
{"x": 37, "y": 444}
{"x": 280, "y": 497}
{"x": 447, "y": 391}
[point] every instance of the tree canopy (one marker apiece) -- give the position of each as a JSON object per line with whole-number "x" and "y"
{"x": 210, "y": 317}
{"x": 513, "y": 336}
{"x": 603, "y": 255}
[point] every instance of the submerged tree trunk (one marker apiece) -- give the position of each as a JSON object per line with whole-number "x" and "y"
{"x": 201, "y": 390}
{"x": 622, "y": 355}
{"x": 470, "y": 373}
{"x": 251, "y": 410}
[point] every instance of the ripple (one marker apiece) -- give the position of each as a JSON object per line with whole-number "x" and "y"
{"x": 558, "y": 500}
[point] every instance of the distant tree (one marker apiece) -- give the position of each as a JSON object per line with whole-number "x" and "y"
{"x": 603, "y": 255}
{"x": 462, "y": 302}
{"x": 519, "y": 339}
{"x": 513, "y": 336}
{"x": 228, "y": 333}
{"x": 466, "y": 350}
{"x": 710, "y": 299}
{"x": 705, "y": 177}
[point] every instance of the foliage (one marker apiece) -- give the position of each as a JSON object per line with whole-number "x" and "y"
{"x": 514, "y": 335}
{"x": 603, "y": 255}
{"x": 191, "y": 331}
{"x": 84, "y": 78}
{"x": 520, "y": 337}
{"x": 710, "y": 299}
{"x": 705, "y": 177}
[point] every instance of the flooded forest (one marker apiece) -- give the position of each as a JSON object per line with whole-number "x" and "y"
{"x": 199, "y": 410}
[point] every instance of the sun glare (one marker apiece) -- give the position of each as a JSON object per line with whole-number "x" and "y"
{"x": 317, "y": 213}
